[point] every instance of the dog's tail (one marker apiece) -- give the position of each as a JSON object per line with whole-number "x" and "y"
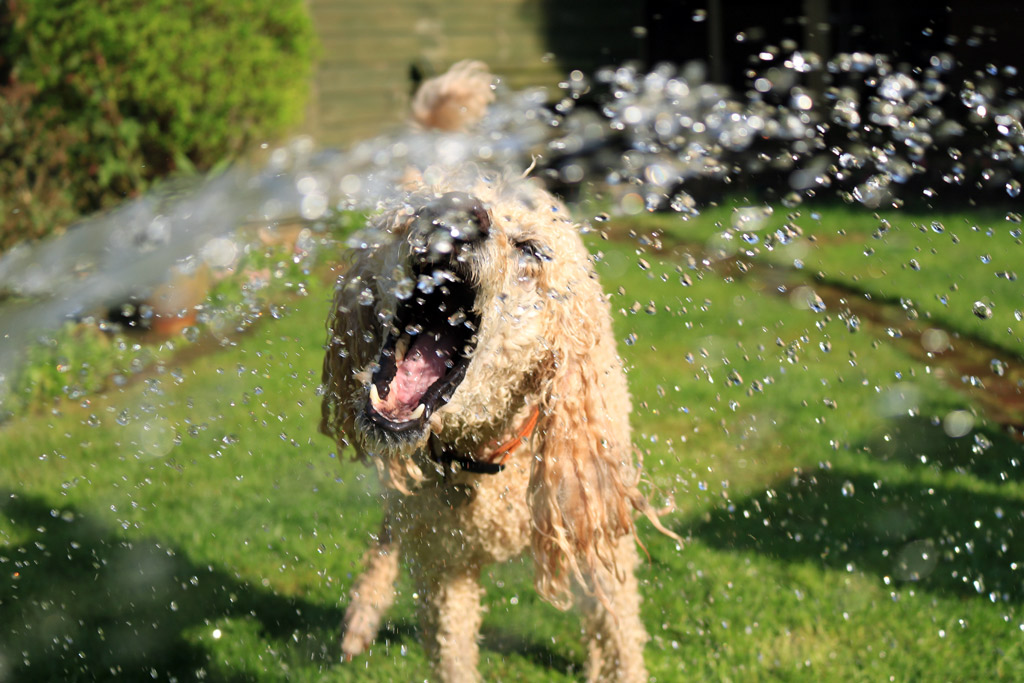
{"x": 455, "y": 100}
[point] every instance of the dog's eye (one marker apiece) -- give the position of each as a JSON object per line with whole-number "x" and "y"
{"x": 532, "y": 251}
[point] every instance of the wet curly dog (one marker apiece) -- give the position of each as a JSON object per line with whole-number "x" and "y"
{"x": 471, "y": 359}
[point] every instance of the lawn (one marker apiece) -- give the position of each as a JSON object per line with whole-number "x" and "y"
{"x": 851, "y": 507}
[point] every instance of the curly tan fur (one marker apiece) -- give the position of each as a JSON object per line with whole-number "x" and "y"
{"x": 568, "y": 494}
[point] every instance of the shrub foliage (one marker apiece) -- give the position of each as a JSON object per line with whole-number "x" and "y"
{"x": 97, "y": 99}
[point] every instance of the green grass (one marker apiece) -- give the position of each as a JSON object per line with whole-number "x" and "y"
{"x": 195, "y": 524}
{"x": 939, "y": 264}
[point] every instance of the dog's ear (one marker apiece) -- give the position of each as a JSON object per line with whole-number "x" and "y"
{"x": 583, "y": 486}
{"x": 352, "y": 342}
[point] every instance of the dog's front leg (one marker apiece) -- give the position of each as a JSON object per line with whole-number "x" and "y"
{"x": 450, "y": 620}
{"x": 372, "y": 594}
{"x": 616, "y": 633}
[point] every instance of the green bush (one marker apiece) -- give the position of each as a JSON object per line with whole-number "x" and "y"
{"x": 35, "y": 177}
{"x": 100, "y": 98}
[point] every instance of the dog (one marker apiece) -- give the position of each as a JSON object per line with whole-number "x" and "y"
{"x": 471, "y": 360}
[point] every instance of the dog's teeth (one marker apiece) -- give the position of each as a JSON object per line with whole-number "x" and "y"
{"x": 418, "y": 413}
{"x": 401, "y": 348}
{"x": 374, "y": 394}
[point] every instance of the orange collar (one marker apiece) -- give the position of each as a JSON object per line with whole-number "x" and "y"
{"x": 504, "y": 451}
{"x": 495, "y": 462}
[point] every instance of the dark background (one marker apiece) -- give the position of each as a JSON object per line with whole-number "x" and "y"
{"x": 975, "y": 32}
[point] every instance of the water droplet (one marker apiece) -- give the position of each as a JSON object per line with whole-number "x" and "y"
{"x": 958, "y": 423}
{"x": 750, "y": 218}
{"x": 982, "y": 310}
{"x": 404, "y": 288}
{"x": 683, "y": 203}
{"x": 792, "y": 199}
{"x": 847, "y": 489}
{"x": 935, "y": 340}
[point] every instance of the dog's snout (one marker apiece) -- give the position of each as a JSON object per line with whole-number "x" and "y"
{"x": 455, "y": 217}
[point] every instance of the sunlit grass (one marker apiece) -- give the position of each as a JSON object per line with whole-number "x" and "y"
{"x": 195, "y": 521}
{"x": 955, "y": 269}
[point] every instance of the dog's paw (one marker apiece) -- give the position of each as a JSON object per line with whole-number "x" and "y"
{"x": 353, "y": 645}
{"x": 361, "y": 623}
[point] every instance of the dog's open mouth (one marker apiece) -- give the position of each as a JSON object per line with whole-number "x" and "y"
{"x": 426, "y": 354}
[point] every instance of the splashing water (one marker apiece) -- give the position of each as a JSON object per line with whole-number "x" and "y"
{"x": 665, "y": 131}
{"x": 108, "y": 258}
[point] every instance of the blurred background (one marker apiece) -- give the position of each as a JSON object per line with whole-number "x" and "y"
{"x": 373, "y": 56}
{"x": 99, "y": 100}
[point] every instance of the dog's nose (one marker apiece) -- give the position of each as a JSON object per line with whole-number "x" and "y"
{"x": 455, "y": 218}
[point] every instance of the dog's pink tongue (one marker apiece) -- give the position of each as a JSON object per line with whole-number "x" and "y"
{"x": 421, "y": 368}
{"x": 424, "y": 364}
